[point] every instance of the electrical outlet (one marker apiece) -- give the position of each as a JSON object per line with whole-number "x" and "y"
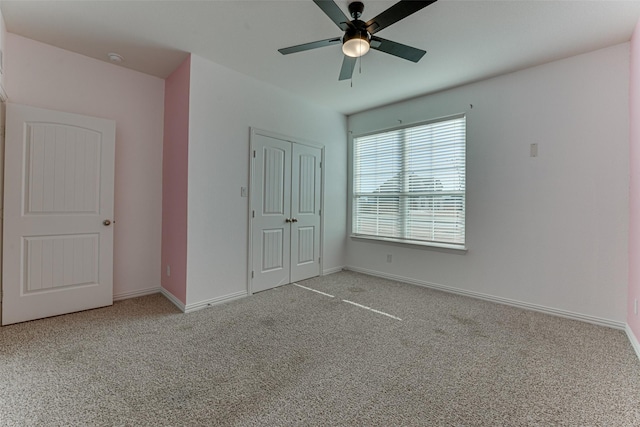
{"x": 168, "y": 270}
{"x": 533, "y": 150}
{"x": 389, "y": 258}
{"x": 244, "y": 192}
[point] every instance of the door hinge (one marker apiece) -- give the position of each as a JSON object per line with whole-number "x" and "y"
{"x": 254, "y": 154}
{"x": 320, "y": 165}
{"x": 319, "y": 211}
{"x": 253, "y": 214}
{"x": 252, "y": 274}
{"x": 319, "y": 260}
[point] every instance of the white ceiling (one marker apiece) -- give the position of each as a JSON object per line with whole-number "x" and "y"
{"x": 465, "y": 41}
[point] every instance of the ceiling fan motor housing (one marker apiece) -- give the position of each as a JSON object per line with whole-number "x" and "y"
{"x": 357, "y": 31}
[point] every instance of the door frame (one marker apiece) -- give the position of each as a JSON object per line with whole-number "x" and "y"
{"x": 253, "y": 133}
{"x": 3, "y": 133}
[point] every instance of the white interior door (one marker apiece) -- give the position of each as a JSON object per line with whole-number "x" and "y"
{"x": 58, "y": 209}
{"x": 305, "y": 212}
{"x": 271, "y": 202}
{"x": 285, "y": 203}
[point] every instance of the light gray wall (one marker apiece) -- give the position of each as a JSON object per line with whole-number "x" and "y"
{"x": 549, "y": 231}
{"x": 223, "y": 106}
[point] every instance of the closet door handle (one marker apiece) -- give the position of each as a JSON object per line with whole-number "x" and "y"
{"x": 287, "y": 220}
{"x": 294, "y": 219}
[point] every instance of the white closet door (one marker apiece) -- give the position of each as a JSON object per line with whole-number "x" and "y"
{"x": 271, "y": 202}
{"x": 58, "y": 204}
{"x": 285, "y": 212}
{"x": 305, "y": 212}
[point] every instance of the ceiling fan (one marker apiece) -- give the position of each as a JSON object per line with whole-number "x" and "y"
{"x": 359, "y": 36}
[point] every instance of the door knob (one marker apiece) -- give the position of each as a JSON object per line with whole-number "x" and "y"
{"x": 294, "y": 219}
{"x": 106, "y": 222}
{"x": 287, "y": 220}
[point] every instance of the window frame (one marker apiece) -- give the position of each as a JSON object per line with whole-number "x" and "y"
{"x": 453, "y": 247}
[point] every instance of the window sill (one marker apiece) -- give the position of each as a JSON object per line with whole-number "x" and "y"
{"x": 426, "y": 245}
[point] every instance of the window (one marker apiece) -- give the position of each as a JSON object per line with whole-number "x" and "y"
{"x": 409, "y": 184}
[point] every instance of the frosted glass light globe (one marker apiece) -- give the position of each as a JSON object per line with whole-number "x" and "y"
{"x": 355, "y": 47}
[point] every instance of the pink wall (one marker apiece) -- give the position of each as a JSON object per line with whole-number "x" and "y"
{"x": 175, "y": 163}
{"x": 44, "y": 76}
{"x": 633, "y": 320}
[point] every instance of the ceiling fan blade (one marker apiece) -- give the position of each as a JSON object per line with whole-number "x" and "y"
{"x": 331, "y": 9}
{"x": 309, "y": 46}
{"x": 395, "y": 13}
{"x": 348, "y": 65}
{"x": 397, "y": 49}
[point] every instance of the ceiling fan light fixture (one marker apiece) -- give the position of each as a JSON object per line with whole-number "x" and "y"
{"x": 359, "y": 36}
{"x": 356, "y": 46}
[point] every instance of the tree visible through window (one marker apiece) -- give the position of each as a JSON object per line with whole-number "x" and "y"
{"x": 409, "y": 183}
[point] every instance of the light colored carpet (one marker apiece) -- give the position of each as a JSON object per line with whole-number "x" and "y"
{"x": 289, "y": 356}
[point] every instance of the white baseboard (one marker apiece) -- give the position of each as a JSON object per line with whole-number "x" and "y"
{"x": 137, "y": 293}
{"x": 633, "y": 339}
{"x": 168, "y": 295}
{"x": 332, "y": 270}
{"x": 213, "y": 301}
{"x": 506, "y": 301}
{"x": 188, "y": 308}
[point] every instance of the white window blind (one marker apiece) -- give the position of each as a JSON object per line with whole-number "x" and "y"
{"x": 409, "y": 183}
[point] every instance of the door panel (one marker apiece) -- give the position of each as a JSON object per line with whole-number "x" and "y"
{"x": 271, "y": 233}
{"x": 273, "y": 246}
{"x": 58, "y": 255}
{"x": 60, "y": 261}
{"x": 306, "y": 240}
{"x": 273, "y": 178}
{"x": 305, "y": 208}
{"x": 62, "y": 170}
